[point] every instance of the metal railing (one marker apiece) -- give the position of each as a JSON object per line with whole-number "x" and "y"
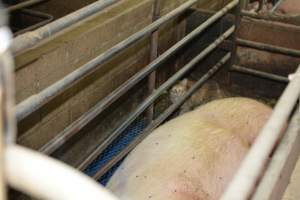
{"x": 257, "y": 159}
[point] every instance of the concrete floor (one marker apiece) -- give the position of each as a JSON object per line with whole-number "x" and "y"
{"x": 293, "y": 190}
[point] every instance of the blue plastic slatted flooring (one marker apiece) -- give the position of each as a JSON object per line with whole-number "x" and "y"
{"x": 118, "y": 145}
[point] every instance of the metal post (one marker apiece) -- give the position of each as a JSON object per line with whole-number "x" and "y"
{"x": 237, "y": 21}
{"x": 153, "y": 55}
{"x": 81, "y": 122}
{"x": 7, "y": 122}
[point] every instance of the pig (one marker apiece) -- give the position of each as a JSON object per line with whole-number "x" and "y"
{"x": 194, "y": 156}
{"x": 289, "y": 7}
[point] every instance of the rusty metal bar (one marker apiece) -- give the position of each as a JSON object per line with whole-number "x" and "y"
{"x": 153, "y": 55}
{"x": 253, "y": 166}
{"x": 269, "y": 47}
{"x": 24, "y": 4}
{"x": 167, "y": 85}
{"x": 81, "y": 122}
{"x": 257, "y": 73}
{"x": 29, "y": 40}
{"x": 162, "y": 117}
{"x": 36, "y": 101}
{"x": 282, "y": 164}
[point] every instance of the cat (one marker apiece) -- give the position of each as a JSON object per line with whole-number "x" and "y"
{"x": 194, "y": 156}
{"x": 209, "y": 91}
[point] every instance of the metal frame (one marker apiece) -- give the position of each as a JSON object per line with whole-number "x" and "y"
{"x": 252, "y": 168}
{"x": 28, "y": 40}
{"x": 81, "y": 122}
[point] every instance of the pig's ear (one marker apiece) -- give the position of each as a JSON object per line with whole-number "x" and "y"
{"x": 184, "y": 82}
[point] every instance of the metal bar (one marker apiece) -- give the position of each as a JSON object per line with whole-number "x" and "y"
{"x": 7, "y": 125}
{"x": 24, "y": 4}
{"x": 28, "y": 40}
{"x": 162, "y": 117}
{"x": 284, "y": 159}
{"x": 261, "y": 74}
{"x": 47, "y": 19}
{"x": 279, "y": 2}
{"x": 237, "y": 22}
{"x": 153, "y": 55}
{"x": 35, "y": 102}
{"x": 272, "y": 17}
{"x": 81, "y": 122}
{"x": 257, "y": 159}
{"x": 167, "y": 85}
{"x": 269, "y": 47}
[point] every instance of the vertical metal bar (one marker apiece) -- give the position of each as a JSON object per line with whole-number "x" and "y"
{"x": 153, "y": 55}
{"x": 237, "y": 13}
{"x": 180, "y": 33}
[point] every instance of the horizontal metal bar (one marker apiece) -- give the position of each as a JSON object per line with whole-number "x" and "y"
{"x": 272, "y": 17}
{"x": 141, "y": 108}
{"x": 162, "y": 117}
{"x": 24, "y": 4}
{"x": 257, "y": 159}
{"x": 34, "y": 102}
{"x": 29, "y": 40}
{"x": 261, "y": 74}
{"x": 81, "y": 122}
{"x": 282, "y": 164}
{"x": 268, "y": 47}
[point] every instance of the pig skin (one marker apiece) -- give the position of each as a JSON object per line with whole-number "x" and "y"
{"x": 291, "y": 7}
{"x": 194, "y": 156}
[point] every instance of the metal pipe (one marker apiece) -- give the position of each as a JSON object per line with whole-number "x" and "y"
{"x": 7, "y": 122}
{"x": 24, "y": 4}
{"x": 261, "y": 74}
{"x": 153, "y": 55}
{"x": 46, "y": 178}
{"x": 269, "y": 47}
{"x": 237, "y": 22}
{"x": 279, "y": 2}
{"x": 257, "y": 159}
{"x": 81, "y": 122}
{"x": 141, "y": 108}
{"x": 162, "y": 117}
{"x": 272, "y": 17}
{"x": 282, "y": 164}
{"x": 30, "y": 39}
{"x": 35, "y": 102}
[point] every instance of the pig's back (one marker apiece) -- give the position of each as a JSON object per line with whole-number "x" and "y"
{"x": 191, "y": 157}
